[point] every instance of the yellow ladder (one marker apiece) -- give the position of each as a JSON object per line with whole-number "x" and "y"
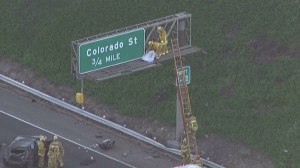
{"x": 184, "y": 98}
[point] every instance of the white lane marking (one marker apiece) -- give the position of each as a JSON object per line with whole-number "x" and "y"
{"x": 66, "y": 139}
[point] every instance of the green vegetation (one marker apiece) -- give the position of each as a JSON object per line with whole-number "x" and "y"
{"x": 247, "y": 87}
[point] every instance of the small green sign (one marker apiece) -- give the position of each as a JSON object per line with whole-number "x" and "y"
{"x": 187, "y": 74}
{"x": 113, "y": 50}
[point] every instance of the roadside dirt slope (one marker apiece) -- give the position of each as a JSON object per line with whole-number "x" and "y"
{"x": 213, "y": 147}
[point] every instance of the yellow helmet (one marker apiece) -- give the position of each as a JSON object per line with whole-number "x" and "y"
{"x": 150, "y": 42}
{"x": 42, "y": 138}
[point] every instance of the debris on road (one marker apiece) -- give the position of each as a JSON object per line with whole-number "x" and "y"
{"x": 88, "y": 162}
{"x": 107, "y": 144}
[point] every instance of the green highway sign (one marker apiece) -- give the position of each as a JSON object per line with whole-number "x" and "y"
{"x": 187, "y": 74}
{"x": 113, "y": 50}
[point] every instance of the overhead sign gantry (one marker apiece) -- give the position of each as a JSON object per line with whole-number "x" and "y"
{"x": 119, "y": 52}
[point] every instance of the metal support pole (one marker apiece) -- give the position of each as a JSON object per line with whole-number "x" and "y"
{"x": 81, "y": 90}
{"x": 179, "y": 122}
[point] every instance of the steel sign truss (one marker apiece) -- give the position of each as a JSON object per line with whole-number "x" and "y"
{"x": 178, "y": 24}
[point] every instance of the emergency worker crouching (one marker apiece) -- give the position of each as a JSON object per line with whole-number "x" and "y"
{"x": 58, "y": 150}
{"x": 163, "y": 40}
{"x": 41, "y": 151}
{"x": 156, "y": 47}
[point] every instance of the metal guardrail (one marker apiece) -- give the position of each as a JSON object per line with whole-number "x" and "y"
{"x": 98, "y": 119}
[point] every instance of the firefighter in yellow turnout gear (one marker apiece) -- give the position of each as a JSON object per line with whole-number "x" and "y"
{"x": 156, "y": 47}
{"x": 185, "y": 151}
{"x": 58, "y": 150}
{"x": 193, "y": 126}
{"x": 198, "y": 161}
{"x": 52, "y": 159}
{"x": 41, "y": 151}
{"x": 163, "y": 40}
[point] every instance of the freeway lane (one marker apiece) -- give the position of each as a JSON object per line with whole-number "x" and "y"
{"x": 74, "y": 154}
{"x": 66, "y": 125}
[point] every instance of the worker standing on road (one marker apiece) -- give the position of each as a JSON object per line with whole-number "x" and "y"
{"x": 41, "y": 151}
{"x": 156, "y": 47}
{"x": 58, "y": 150}
{"x": 52, "y": 160}
{"x": 163, "y": 40}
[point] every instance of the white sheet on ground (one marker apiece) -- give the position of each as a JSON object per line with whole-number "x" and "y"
{"x": 149, "y": 57}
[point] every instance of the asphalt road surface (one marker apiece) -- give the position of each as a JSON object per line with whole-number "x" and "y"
{"x": 22, "y": 114}
{"x": 75, "y": 156}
